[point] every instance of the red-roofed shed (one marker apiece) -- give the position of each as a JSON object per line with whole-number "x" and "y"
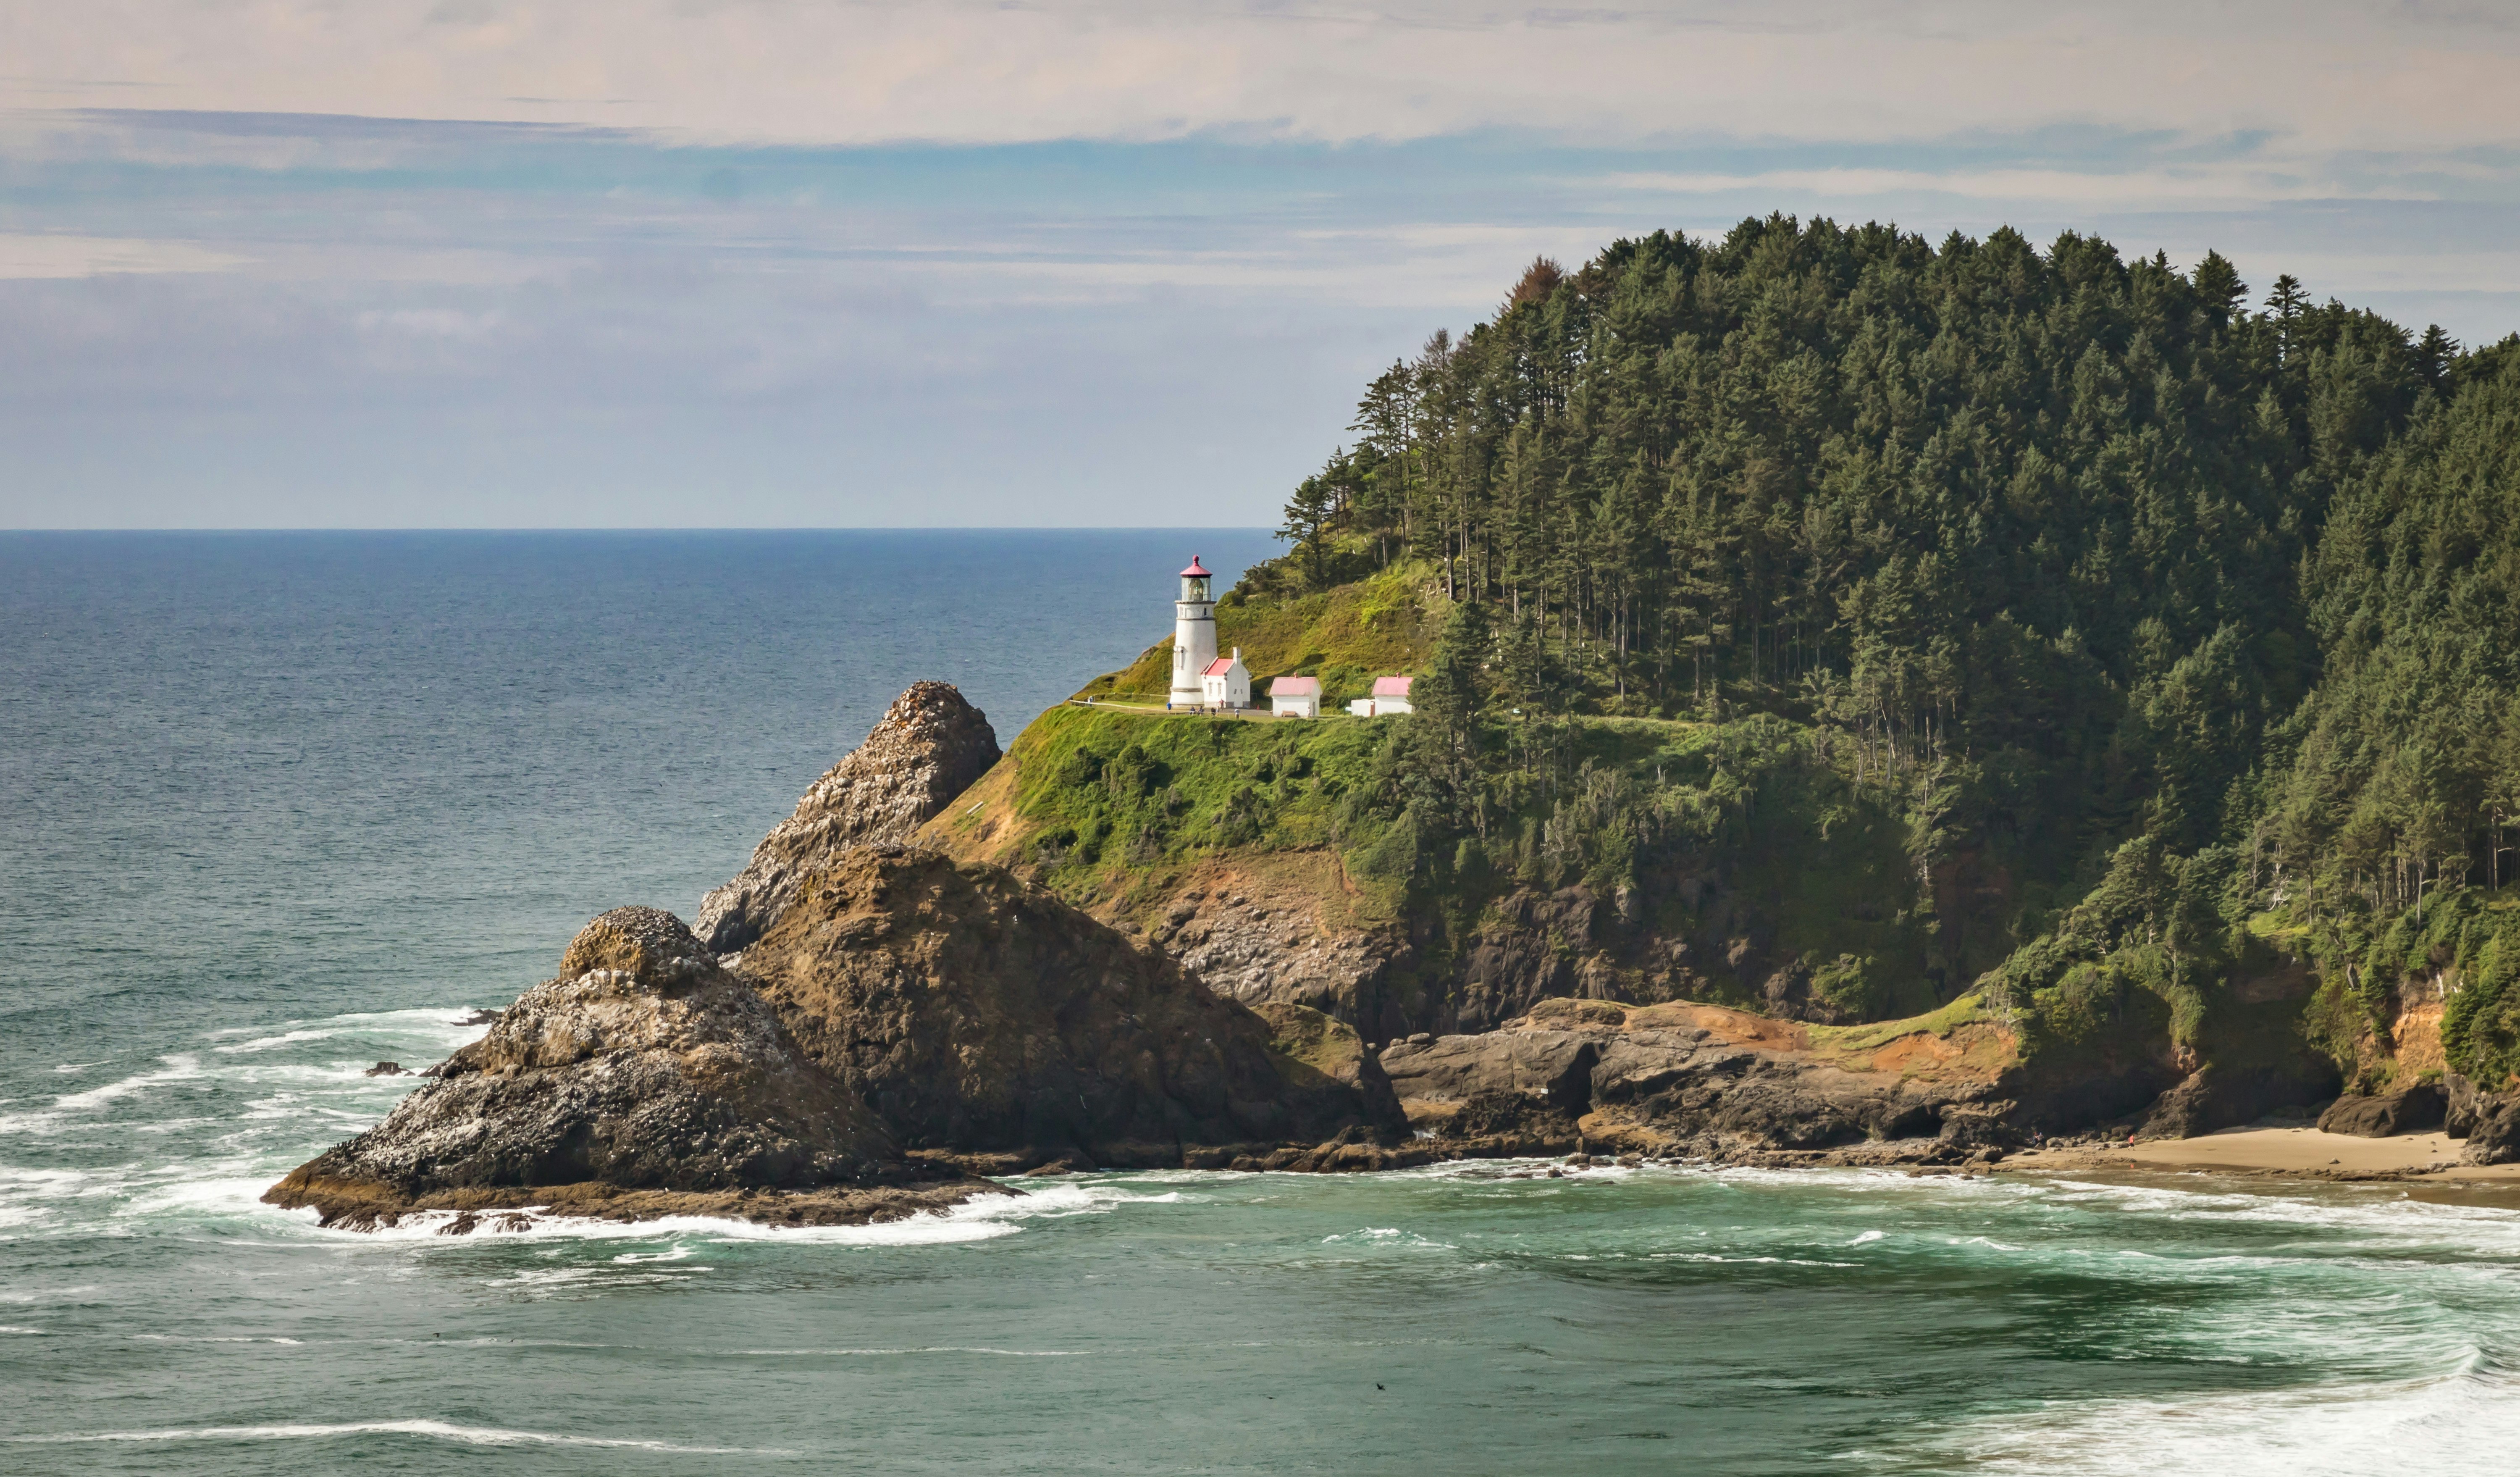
{"x": 1295, "y": 698}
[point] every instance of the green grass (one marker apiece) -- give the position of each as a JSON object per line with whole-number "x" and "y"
{"x": 1965, "y": 1010}
{"x": 1347, "y": 637}
{"x": 1107, "y": 800}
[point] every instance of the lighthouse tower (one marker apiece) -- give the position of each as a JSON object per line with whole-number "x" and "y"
{"x": 1193, "y": 637}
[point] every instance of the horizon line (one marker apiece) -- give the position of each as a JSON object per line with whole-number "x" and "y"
{"x": 684, "y": 528}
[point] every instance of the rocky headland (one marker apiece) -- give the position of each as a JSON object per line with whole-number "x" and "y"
{"x": 859, "y": 1028}
{"x": 930, "y": 745}
{"x": 990, "y": 1024}
{"x": 891, "y": 1022}
{"x": 645, "y": 1080}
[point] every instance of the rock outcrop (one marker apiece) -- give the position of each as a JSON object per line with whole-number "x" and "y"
{"x": 2490, "y": 1122}
{"x": 928, "y": 748}
{"x": 1308, "y": 1041}
{"x": 2462, "y": 1102}
{"x": 2228, "y": 1094}
{"x": 1702, "y": 1080}
{"x": 643, "y": 1080}
{"x": 984, "y": 1019}
{"x": 2415, "y": 1110}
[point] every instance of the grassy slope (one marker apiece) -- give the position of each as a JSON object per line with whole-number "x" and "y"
{"x": 1346, "y": 636}
{"x": 1115, "y": 808}
{"x": 1114, "y": 805}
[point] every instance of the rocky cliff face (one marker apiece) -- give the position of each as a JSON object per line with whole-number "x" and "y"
{"x": 982, "y": 1017}
{"x": 644, "y": 1079}
{"x": 929, "y": 747}
{"x": 1704, "y": 1079}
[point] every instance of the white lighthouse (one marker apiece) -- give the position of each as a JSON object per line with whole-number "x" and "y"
{"x": 1194, "y": 638}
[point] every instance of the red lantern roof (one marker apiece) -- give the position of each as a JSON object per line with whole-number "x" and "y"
{"x": 1194, "y": 572}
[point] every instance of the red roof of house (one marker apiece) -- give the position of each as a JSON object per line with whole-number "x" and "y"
{"x": 1295, "y": 687}
{"x": 1194, "y": 572}
{"x": 1219, "y": 667}
{"x": 1391, "y": 687}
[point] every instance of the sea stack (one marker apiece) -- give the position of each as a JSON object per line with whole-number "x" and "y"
{"x": 985, "y": 1020}
{"x": 644, "y": 1081}
{"x": 928, "y": 748}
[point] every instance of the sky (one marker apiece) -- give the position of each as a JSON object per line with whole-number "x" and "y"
{"x": 682, "y": 263}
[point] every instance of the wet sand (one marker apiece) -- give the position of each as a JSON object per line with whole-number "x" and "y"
{"x": 2305, "y": 1153}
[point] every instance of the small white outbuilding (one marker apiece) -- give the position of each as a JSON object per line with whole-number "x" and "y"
{"x": 1295, "y": 698}
{"x": 1226, "y": 686}
{"x": 1390, "y": 695}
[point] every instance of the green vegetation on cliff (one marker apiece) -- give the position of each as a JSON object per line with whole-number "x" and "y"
{"x": 1690, "y": 830}
{"x": 1346, "y": 636}
{"x": 2034, "y": 617}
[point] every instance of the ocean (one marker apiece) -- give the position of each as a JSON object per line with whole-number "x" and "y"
{"x": 274, "y": 807}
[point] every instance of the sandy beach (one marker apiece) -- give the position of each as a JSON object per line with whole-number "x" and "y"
{"x": 2304, "y": 1152}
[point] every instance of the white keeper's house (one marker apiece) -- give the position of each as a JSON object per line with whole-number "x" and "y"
{"x": 1226, "y": 686}
{"x": 1295, "y": 698}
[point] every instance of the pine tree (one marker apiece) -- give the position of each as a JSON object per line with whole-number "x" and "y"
{"x": 1308, "y": 519}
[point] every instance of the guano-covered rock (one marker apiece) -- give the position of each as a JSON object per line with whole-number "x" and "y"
{"x": 643, "y": 1080}
{"x": 928, "y": 748}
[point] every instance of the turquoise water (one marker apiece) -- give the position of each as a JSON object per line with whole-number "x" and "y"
{"x": 275, "y": 807}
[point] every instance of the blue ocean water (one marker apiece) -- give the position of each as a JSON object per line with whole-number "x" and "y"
{"x": 274, "y": 807}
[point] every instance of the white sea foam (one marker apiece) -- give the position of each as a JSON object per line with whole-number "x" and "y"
{"x": 441, "y": 1430}
{"x": 1386, "y": 1236}
{"x": 2465, "y": 1421}
{"x": 178, "y": 1067}
{"x": 980, "y": 1219}
{"x": 889, "y": 1353}
{"x": 1710, "y": 1256}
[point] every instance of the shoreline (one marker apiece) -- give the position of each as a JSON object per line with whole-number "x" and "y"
{"x": 2288, "y": 1153}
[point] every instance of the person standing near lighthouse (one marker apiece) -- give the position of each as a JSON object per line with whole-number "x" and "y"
{"x": 1194, "y": 638}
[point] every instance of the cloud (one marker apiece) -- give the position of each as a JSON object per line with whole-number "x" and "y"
{"x": 2324, "y": 75}
{"x": 793, "y": 261}
{"x": 2212, "y": 186}
{"x": 25, "y": 255}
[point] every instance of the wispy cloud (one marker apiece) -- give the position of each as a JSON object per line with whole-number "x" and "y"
{"x": 2331, "y": 72}
{"x": 25, "y": 255}
{"x": 759, "y": 260}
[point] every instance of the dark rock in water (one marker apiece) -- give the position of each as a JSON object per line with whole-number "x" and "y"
{"x": 978, "y": 1014}
{"x": 2463, "y": 1101}
{"x": 2494, "y": 1133}
{"x": 2218, "y": 1097}
{"x": 1649, "y": 1079}
{"x": 479, "y": 1018}
{"x": 928, "y": 748}
{"x": 2418, "y": 1110}
{"x": 386, "y": 1069}
{"x": 1500, "y": 1082}
{"x": 644, "y": 1067}
{"x": 1303, "y": 1037}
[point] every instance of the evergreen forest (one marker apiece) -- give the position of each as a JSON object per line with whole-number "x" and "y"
{"x": 2179, "y": 617}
